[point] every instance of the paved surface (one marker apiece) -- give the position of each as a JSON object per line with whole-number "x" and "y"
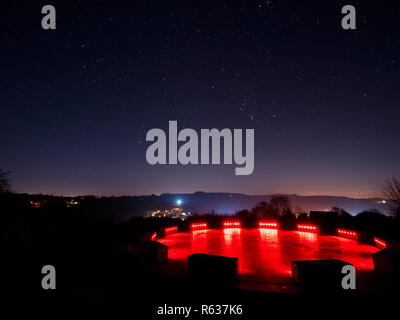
{"x": 265, "y": 255}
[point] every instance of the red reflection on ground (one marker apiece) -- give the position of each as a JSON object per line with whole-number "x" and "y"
{"x": 270, "y": 235}
{"x": 310, "y": 240}
{"x": 265, "y": 255}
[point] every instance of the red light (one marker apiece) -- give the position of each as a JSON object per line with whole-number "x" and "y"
{"x": 231, "y": 224}
{"x": 380, "y": 243}
{"x": 268, "y": 225}
{"x": 347, "y": 233}
{"x": 307, "y": 228}
{"x": 199, "y": 226}
{"x": 154, "y": 236}
{"x": 171, "y": 229}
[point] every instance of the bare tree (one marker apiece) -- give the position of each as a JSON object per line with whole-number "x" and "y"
{"x": 281, "y": 204}
{"x": 264, "y": 210}
{"x": 4, "y": 181}
{"x": 341, "y": 212}
{"x": 391, "y": 190}
{"x": 298, "y": 211}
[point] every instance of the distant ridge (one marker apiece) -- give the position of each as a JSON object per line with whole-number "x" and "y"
{"x": 232, "y": 202}
{"x": 124, "y": 207}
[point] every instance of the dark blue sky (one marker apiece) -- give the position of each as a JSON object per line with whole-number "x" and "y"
{"x": 76, "y": 102}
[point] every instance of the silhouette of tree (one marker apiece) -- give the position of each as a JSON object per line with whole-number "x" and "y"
{"x": 264, "y": 209}
{"x": 281, "y": 204}
{"x": 303, "y": 217}
{"x": 260, "y": 209}
{"x": 341, "y": 212}
{"x": 4, "y": 181}
{"x": 245, "y": 216}
{"x": 298, "y": 211}
{"x": 391, "y": 190}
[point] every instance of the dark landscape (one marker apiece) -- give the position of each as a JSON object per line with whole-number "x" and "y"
{"x": 166, "y": 156}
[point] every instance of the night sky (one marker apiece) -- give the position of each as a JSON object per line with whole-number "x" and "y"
{"x": 76, "y": 102}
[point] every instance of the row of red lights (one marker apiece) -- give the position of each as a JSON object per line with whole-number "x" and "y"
{"x": 198, "y": 226}
{"x": 347, "y": 233}
{"x": 274, "y": 225}
{"x": 380, "y": 243}
{"x": 232, "y": 224}
{"x": 171, "y": 229}
{"x": 269, "y": 225}
{"x": 307, "y": 227}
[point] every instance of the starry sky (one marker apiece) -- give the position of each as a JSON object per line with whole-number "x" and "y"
{"x": 76, "y": 102}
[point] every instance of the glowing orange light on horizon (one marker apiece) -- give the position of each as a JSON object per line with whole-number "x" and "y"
{"x": 198, "y": 226}
{"x": 380, "y": 243}
{"x": 232, "y": 224}
{"x": 268, "y": 225}
{"x": 307, "y": 228}
{"x": 347, "y": 233}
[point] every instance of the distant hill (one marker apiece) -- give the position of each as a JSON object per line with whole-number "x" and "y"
{"x": 122, "y": 208}
{"x": 232, "y": 202}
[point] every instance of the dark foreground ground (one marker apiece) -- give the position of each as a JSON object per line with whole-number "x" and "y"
{"x": 99, "y": 265}
{"x": 119, "y": 280}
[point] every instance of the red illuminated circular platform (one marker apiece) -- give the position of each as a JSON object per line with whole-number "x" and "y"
{"x": 265, "y": 255}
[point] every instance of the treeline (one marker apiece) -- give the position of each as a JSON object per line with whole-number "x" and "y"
{"x": 93, "y": 221}
{"x": 111, "y": 209}
{"x": 279, "y": 209}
